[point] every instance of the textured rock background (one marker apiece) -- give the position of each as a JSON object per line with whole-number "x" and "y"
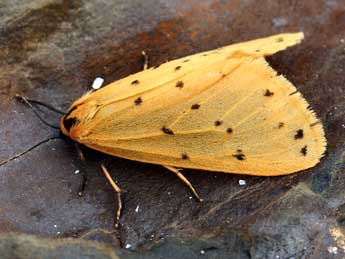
{"x": 52, "y": 50}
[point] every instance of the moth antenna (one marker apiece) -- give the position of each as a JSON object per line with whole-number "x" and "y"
{"x": 28, "y": 102}
{"x": 48, "y": 106}
{"x": 28, "y": 150}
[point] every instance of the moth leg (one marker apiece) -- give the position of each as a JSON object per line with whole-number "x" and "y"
{"x": 184, "y": 179}
{"x": 146, "y": 60}
{"x": 83, "y": 171}
{"x": 118, "y": 192}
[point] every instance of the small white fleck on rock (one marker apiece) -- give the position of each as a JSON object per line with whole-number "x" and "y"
{"x": 190, "y": 197}
{"x": 333, "y": 250}
{"x": 169, "y": 193}
{"x": 58, "y": 232}
{"x": 242, "y": 182}
{"x": 97, "y": 83}
{"x": 202, "y": 252}
{"x": 128, "y": 246}
{"x": 342, "y": 40}
{"x": 137, "y": 209}
{"x": 77, "y": 172}
{"x": 279, "y": 21}
{"x": 55, "y": 226}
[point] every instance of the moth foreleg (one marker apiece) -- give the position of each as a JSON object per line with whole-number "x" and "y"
{"x": 83, "y": 171}
{"x": 118, "y": 192}
{"x": 184, "y": 179}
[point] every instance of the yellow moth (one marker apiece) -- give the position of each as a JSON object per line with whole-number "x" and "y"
{"x": 222, "y": 110}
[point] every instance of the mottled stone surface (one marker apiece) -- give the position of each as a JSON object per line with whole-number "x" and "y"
{"x": 52, "y": 51}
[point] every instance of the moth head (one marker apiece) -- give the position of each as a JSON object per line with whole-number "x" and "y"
{"x": 73, "y": 123}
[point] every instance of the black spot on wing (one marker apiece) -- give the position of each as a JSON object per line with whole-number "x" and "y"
{"x": 240, "y": 156}
{"x": 179, "y": 84}
{"x": 195, "y": 106}
{"x": 295, "y": 92}
{"x": 268, "y": 93}
{"x": 184, "y": 156}
{"x": 178, "y": 68}
{"x": 304, "y": 150}
{"x": 167, "y": 130}
{"x": 135, "y": 82}
{"x": 299, "y": 134}
{"x": 138, "y": 101}
{"x": 218, "y": 123}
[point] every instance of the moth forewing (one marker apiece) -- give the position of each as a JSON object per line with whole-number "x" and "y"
{"x": 223, "y": 110}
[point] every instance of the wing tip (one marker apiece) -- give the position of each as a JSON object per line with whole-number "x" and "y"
{"x": 314, "y": 121}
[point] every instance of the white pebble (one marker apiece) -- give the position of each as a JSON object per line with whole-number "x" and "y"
{"x": 190, "y": 197}
{"x": 97, "y": 83}
{"x": 242, "y": 182}
{"x": 77, "y": 172}
{"x": 137, "y": 209}
{"x": 202, "y": 252}
{"x": 128, "y": 246}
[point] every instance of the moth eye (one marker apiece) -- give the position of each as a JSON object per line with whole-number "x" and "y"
{"x": 68, "y": 123}
{"x": 299, "y": 134}
{"x": 268, "y": 93}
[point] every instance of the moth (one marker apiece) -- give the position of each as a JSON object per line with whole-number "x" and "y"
{"x": 222, "y": 110}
